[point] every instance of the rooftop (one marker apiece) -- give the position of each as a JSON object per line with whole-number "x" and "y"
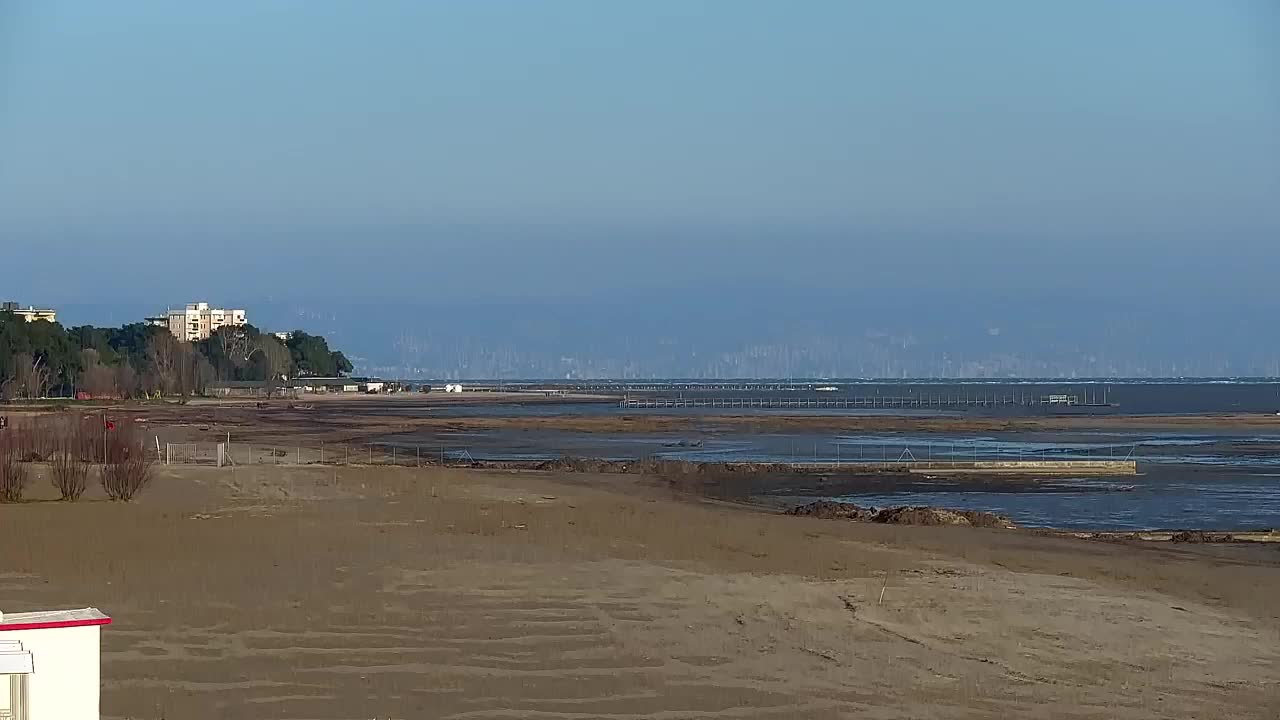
{"x": 45, "y": 619}
{"x": 309, "y": 380}
{"x": 15, "y": 307}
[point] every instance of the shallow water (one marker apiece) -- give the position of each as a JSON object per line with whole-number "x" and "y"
{"x": 719, "y": 446}
{"x": 1240, "y": 501}
{"x": 1201, "y": 479}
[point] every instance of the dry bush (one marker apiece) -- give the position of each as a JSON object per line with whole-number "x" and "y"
{"x": 39, "y": 439}
{"x": 69, "y": 466}
{"x": 126, "y": 381}
{"x": 128, "y": 467}
{"x": 91, "y": 438}
{"x": 27, "y": 441}
{"x": 13, "y": 473}
{"x": 124, "y": 478}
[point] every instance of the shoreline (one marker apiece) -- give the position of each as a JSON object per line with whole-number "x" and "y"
{"x": 385, "y": 410}
{"x": 720, "y": 482}
{"x": 282, "y": 431}
{"x": 355, "y": 591}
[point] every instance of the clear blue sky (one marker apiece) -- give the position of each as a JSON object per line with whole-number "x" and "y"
{"x": 572, "y": 135}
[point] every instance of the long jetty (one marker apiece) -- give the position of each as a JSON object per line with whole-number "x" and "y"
{"x": 850, "y": 402}
{"x": 1092, "y": 468}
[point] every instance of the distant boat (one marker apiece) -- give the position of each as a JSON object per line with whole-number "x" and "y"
{"x": 827, "y": 388}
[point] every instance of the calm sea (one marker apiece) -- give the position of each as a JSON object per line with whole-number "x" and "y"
{"x": 1209, "y": 477}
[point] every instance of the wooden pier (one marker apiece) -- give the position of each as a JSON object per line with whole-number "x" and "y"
{"x": 667, "y": 387}
{"x": 1086, "y": 468}
{"x": 846, "y": 402}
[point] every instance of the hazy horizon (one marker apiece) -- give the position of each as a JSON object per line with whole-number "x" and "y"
{"x": 639, "y": 189}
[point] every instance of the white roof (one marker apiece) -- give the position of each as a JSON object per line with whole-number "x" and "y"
{"x": 14, "y": 660}
{"x": 52, "y": 619}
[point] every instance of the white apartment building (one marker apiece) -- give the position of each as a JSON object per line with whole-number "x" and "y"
{"x": 30, "y": 313}
{"x": 197, "y": 321}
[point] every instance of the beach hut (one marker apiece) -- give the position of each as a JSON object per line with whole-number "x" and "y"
{"x": 49, "y": 664}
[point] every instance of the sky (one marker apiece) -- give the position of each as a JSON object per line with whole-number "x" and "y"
{"x": 160, "y": 152}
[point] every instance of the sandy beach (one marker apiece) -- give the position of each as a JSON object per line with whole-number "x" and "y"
{"x": 639, "y": 360}
{"x": 440, "y": 593}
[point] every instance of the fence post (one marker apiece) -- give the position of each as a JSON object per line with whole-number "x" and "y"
{"x": 393, "y": 454}
{"x": 370, "y": 453}
{"x": 321, "y": 452}
{"x": 418, "y": 450}
{"x": 168, "y": 453}
{"x": 299, "y": 454}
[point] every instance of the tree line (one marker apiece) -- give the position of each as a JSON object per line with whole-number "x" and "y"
{"x": 43, "y": 359}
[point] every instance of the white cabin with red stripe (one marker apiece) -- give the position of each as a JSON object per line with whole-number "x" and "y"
{"x": 50, "y": 664}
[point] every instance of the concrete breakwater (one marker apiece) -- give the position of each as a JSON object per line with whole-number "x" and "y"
{"x": 986, "y": 467}
{"x": 1077, "y": 468}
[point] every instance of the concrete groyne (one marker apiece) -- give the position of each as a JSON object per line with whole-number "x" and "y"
{"x": 984, "y": 467}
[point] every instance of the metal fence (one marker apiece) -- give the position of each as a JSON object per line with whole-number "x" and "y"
{"x": 248, "y": 453}
{"x": 886, "y": 453}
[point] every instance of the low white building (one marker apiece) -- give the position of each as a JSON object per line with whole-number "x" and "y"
{"x": 50, "y": 664}
{"x": 329, "y": 384}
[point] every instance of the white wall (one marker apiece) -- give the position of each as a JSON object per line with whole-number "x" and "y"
{"x": 65, "y": 683}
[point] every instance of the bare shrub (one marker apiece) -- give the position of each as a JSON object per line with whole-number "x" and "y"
{"x": 31, "y": 376}
{"x": 18, "y": 441}
{"x": 68, "y": 466}
{"x": 126, "y": 381}
{"x": 91, "y": 438}
{"x": 95, "y": 378}
{"x": 37, "y": 438}
{"x": 13, "y": 474}
{"x": 128, "y": 468}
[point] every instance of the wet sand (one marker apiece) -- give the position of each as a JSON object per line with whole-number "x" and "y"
{"x": 327, "y": 592}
